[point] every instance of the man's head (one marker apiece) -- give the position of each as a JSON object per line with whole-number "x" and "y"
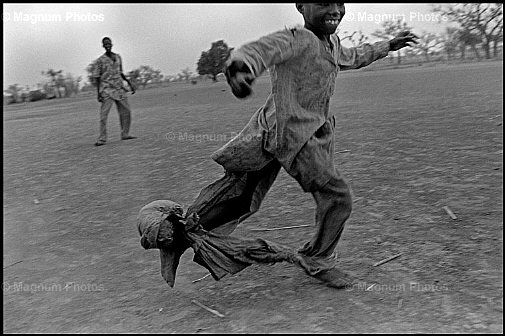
{"x": 107, "y": 44}
{"x": 322, "y": 18}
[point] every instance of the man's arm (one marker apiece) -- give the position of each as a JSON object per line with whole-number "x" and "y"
{"x": 355, "y": 58}
{"x": 129, "y": 83}
{"x": 96, "y": 75}
{"x": 98, "y": 89}
{"x": 123, "y": 76}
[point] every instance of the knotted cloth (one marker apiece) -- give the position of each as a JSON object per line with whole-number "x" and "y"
{"x": 162, "y": 225}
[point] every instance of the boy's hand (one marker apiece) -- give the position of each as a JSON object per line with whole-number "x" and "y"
{"x": 402, "y": 40}
{"x": 240, "y": 78}
{"x": 240, "y": 84}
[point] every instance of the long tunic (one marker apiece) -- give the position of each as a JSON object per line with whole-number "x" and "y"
{"x": 303, "y": 72}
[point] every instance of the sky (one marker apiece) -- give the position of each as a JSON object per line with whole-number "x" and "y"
{"x": 168, "y": 37}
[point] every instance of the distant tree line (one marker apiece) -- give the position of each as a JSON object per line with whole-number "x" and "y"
{"x": 477, "y": 27}
{"x": 477, "y": 24}
{"x": 59, "y": 85}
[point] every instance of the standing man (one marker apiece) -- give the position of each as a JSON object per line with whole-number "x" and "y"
{"x": 109, "y": 76}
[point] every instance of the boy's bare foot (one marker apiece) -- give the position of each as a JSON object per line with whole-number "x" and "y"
{"x": 335, "y": 278}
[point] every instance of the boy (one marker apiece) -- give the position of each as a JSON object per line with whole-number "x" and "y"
{"x": 109, "y": 76}
{"x": 293, "y": 130}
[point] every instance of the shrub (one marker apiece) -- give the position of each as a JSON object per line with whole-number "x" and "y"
{"x": 36, "y": 95}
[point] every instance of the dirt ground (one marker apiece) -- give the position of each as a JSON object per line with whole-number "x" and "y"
{"x": 409, "y": 141}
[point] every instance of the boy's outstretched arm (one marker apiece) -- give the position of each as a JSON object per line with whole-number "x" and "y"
{"x": 252, "y": 59}
{"x": 355, "y": 58}
{"x": 402, "y": 40}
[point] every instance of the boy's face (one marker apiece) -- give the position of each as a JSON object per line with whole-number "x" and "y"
{"x": 322, "y": 18}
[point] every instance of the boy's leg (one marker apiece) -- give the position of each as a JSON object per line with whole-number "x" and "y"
{"x": 333, "y": 208}
{"x": 314, "y": 169}
{"x": 124, "y": 111}
{"x": 231, "y": 199}
{"x": 104, "y": 112}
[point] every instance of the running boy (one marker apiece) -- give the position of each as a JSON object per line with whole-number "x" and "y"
{"x": 294, "y": 130}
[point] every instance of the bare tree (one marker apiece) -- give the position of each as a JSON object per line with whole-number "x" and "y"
{"x": 71, "y": 84}
{"x": 148, "y": 75}
{"x": 428, "y": 42}
{"x": 467, "y": 38}
{"x": 450, "y": 42}
{"x": 185, "y": 74}
{"x": 13, "y": 90}
{"x": 497, "y": 38}
{"x": 57, "y": 80}
{"x": 89, "y": 70}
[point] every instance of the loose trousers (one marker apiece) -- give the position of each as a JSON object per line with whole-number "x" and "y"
{"x": 237, "y": 195}
{"x": 124, "y": 112}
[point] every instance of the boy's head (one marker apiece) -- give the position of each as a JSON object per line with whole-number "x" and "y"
{"x": 322, "y": 18}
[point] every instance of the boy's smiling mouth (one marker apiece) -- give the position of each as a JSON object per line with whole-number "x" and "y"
{"x": 331, "y": 24}
{"x": 332, "y": 21}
